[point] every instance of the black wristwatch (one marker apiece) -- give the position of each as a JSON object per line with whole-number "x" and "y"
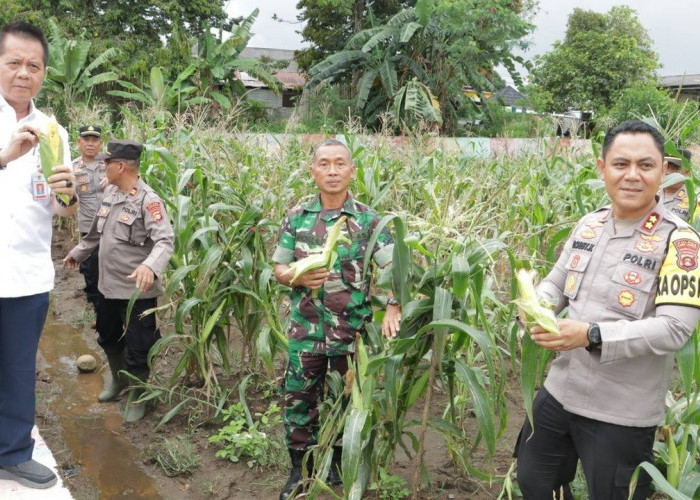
{"x": 594, "y": 339}
{"x": 70, "y": 203}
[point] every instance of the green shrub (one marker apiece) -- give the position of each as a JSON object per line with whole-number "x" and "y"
{"x": 258, "y": 443}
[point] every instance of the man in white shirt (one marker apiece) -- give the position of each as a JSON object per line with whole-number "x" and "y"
{"x": 26, "y": 269}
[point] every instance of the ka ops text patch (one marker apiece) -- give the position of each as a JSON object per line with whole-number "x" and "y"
{"x": 679, "y": 278}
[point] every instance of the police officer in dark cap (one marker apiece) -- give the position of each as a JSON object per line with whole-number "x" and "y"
{"x": 91, "y": 181}
{"x": 675, "y": 197}
{"x": 135, "y": 241}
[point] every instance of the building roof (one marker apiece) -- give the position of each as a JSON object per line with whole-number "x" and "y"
{"x": 289, "y": 76}
{"x": 509, "y": 95}
{"x": 687, "y": 82}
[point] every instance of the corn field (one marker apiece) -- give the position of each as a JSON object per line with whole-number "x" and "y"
{"x": 462, "y": 227}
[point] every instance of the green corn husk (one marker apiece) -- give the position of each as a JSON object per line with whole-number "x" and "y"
{"x": 531, "y": 309}
{"x": 51, "y": 152}
{"x": 325, "y": 258}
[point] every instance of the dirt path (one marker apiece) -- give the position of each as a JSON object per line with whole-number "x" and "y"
{"x": 214, "y": 478}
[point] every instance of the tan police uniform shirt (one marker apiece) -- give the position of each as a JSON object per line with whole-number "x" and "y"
{"x": 677, "y": 203}
{"x": 131, "y": 229}
{"x": 642, "y": 286}
{"x": 88, "y": 176}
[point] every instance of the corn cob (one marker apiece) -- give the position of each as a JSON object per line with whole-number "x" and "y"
{"x": 325, "y": 258}
{"x": 51, "y": 152}
{"x": 531, "y": 309}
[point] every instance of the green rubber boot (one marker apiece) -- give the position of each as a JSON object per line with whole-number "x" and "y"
{"x": 112, "y": 388}
{"x": 135, "y": 411}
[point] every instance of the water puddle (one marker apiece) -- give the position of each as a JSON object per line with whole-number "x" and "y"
{"x": 92, "y": 430}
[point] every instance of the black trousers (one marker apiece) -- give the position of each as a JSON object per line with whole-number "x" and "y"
{"x": 90, "y": 269}
{"x": 609, "y": 454}
{"x": 137, "y": 338}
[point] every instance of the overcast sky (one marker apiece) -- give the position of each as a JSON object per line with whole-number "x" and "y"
{"x": 672, "y": 24}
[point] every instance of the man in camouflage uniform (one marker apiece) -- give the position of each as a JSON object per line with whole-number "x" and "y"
{"x": 329, "y": 306}
{"x": 90, "y": 183}
{"x": 136, "y": 242}
{"x": 675, "y": 197}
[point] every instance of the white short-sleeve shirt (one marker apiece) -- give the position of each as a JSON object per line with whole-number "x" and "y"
{"x": 25, "y": 223}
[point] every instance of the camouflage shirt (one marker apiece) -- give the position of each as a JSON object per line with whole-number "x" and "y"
{"x": 327, "y": 323}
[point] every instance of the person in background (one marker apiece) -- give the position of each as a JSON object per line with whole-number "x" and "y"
{"x": 26, "y": 270}
{"x": 629, "y": 276}
{"x": 675, "y": 197}
{"x": 91, "y": 182}
{"x": 329, "y": 306}
{"x": 135, "y": 242}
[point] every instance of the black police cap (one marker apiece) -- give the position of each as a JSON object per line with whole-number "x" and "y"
{"x": 87, "y": 130}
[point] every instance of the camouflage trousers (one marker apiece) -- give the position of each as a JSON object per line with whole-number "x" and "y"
{"x": 303, "y": 390}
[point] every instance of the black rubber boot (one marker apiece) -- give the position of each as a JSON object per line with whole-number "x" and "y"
{"x": 335, "y": 474}
{"x": 293, "y": 488}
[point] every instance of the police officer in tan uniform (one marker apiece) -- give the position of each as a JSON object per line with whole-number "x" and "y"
{"x": 90, "y": 183}
{"x": 675, "y": 197}
{"x": 630, "y": 277}
{"x": 136, "y": 242}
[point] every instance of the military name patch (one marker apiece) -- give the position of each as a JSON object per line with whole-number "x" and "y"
{"x": 155, "y": 211}
{"x": 583, "y": 245}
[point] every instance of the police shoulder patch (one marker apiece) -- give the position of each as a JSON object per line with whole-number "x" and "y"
{"x": 155, "y": 210}
{"x": 679, "y": 278}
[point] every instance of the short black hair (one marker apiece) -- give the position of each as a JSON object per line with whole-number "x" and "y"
{"x": 633, "y": 127}
{"x": 23, "y": 29}
{"x": 332, "y": 142}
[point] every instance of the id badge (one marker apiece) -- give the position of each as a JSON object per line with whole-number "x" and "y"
{"x": 40, "y": 188}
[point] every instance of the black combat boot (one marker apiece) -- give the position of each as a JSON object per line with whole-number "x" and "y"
{"x": 335, "y": 474}
{"x": 292, "y": 487}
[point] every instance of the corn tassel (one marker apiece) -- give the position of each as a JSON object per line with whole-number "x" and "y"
{"x": 51, "y": 152}
{"x": 325, "y": 258}
{"x": 531, "y": 309}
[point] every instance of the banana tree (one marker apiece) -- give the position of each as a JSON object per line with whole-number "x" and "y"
{"x": 69, "y": 73}
{"x": 219, "y": 63}
{"x": 163, "y": 96}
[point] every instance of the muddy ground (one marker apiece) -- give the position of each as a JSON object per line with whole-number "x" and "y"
{"x": 213, "y": 478}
